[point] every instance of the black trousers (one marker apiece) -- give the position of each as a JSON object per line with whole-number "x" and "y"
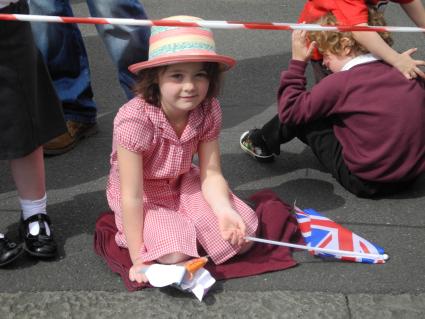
{"x": 319, "y": 135}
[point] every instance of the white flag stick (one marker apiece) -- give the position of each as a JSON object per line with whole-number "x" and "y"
{"x": 322, "y": 250}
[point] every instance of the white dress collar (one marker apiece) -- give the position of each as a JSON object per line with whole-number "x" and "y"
{"x": 361, "y": 59}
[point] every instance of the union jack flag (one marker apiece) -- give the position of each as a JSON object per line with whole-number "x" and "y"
{"x": 321, "y": 232}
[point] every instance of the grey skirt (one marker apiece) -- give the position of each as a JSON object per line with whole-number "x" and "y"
{"x": 30, "y": 111}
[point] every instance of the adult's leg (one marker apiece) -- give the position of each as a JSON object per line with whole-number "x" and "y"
{"x": 126, "y": 44}
{"x": 63, "y": 50}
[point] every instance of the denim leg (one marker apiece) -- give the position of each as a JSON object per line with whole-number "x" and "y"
{"x": 65, "y": 55}
{"x": 126, "y": 44}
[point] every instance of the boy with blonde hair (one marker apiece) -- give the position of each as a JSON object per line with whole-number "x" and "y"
{"x": 365, "y": 123}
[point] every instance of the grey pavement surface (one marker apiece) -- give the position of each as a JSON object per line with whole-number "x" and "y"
{"x": 79, "y": 285}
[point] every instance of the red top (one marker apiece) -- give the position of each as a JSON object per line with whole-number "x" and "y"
{"x": 347, "y": 12}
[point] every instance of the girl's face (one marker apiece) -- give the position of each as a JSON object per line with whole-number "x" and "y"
{"x": 335, "y": 62}
{"x": 182, "y": 87}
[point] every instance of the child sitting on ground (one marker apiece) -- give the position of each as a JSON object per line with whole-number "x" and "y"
{"x": 165, "y": 207}
{"x": 365, "y": 123}
{"x": 347, "y": 12}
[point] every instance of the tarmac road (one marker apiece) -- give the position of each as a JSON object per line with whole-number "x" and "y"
{"x": 79, "y": 285}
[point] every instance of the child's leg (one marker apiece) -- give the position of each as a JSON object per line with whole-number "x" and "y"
{"x": 320, "y": 137}
{"x": 264, "y": 143}
{"x": 28, "y": 174}
{"x": 173, "y": 258}
{"x": 275, "y": 133}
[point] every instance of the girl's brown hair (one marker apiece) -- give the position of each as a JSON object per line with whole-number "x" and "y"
{"x": 147, "y": 82}
{"x": 331, "y": 40}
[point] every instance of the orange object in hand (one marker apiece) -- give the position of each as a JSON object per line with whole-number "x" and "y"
{"x": 193, "y": 265}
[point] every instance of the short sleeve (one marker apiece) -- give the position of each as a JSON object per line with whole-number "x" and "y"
{"x": 133, "y": 129}
{"x": 212, "y": 121}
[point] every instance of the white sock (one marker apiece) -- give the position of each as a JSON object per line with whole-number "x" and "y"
{"x": 1, "y": 236}
{"x": 31, "y": 208}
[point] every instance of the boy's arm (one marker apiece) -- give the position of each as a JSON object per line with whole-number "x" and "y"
{"x": 401, "y": 61}
{"x": 295, "y": 104}
{"x": 416, "y": 12}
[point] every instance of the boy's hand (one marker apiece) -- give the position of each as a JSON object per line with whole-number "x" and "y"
{"x": 232, "y": 227}
{"x": 300, "y": 50}
{"x": 408, "y": 66}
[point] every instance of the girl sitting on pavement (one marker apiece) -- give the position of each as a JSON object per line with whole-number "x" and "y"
{"x": 165, "y": 207}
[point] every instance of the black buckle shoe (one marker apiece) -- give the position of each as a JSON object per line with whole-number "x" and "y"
{"x": 41, "y": 245}
{"x": 9, "y": 251}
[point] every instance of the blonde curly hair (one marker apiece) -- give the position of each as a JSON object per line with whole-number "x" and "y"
{"x": 331, "y": 41}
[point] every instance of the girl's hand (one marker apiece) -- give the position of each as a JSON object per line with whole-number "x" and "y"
{"x": 300, "y": 50}
{"x": 232, "y": 227}
{"x": 408, "y": 66}
{"x": 136, "y": 272}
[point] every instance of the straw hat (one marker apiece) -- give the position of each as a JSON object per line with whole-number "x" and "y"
{"x": 170, "y": 45}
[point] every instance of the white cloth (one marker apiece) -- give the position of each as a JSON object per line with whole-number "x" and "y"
{"x": 5, "y": 3}
{"x": 199, "y": 285}
{"x": 175, "y": 275}
{"x": 164, "y": 275}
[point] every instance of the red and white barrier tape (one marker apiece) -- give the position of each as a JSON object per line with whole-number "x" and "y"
{"x": 205, "y": 23}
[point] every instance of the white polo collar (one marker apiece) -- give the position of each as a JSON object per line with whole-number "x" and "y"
{"x": 361, "y": 59}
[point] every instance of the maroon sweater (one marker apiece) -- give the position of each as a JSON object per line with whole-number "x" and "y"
{"x": 382, "y": 117}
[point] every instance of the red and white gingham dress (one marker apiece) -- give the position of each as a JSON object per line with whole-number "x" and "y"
{"x": 177, "y": 217}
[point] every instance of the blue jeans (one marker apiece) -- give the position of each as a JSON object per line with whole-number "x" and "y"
{"x": 63, "y": 49}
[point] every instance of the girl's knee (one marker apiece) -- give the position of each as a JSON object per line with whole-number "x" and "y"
{"x": 173, "y": 258}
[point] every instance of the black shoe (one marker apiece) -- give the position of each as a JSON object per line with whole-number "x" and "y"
{"x": 9, "y": 251}
{"x": 41, "y": 245}
{"x": 252, "y": 143}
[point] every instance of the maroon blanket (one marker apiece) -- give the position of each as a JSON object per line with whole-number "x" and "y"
{"x": 275, "y": 223}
